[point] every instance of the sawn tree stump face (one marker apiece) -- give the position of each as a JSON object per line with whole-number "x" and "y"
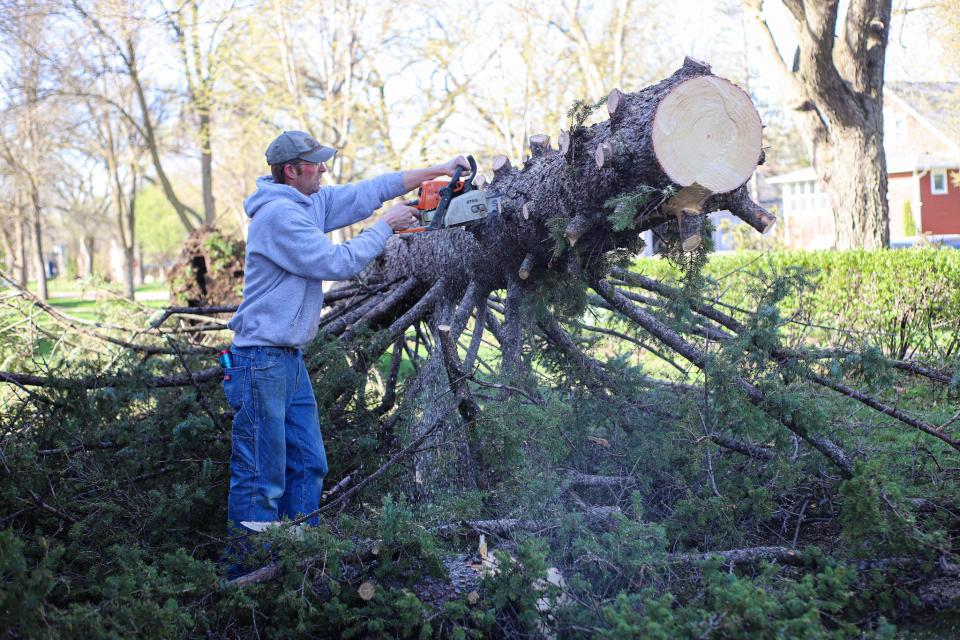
{"x": 707, "y": 131}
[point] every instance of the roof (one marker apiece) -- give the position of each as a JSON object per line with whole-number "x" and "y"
{"x": 922, "y": 162}
{"x": 800, "y": 175}
{"x": 936, "y": 104}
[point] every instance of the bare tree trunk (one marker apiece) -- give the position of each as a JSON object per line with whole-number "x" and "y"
{"x": 853, "y": 172}
{"x": 87, "y": 248}
{"x": 129, "y": 289}
{"x": 129, "y": 241}
{"x": 206, "y": 170}
{"x": 835, "y": 89}
{"x": 38, "y": 243}
{"x": 9, "y": 248}
{"x": 199, "y": 75}
{"x": 21, "y": 239}
{"x": 141, "y": 271}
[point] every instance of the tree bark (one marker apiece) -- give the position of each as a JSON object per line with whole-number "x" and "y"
{"x": 853, "y": 173}
{"x": 206, "y": 170}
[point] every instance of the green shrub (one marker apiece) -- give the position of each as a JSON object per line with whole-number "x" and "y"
{"x": 905, "y": 302}
{"x": 909, "y": 224}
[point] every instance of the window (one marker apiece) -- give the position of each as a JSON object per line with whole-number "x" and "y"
{"x": 900, "y": 130}
{"x": 938, "y": 182}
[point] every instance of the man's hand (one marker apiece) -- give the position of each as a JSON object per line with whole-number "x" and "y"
{"x": 400, "y": 216}
{"x": 412, "y": 178}
{"x": 447, "y": 168}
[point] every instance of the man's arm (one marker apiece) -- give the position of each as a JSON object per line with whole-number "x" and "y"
{"x": 350, "y": 203}
{"x": 290, "y": 239}
{"x": 345, "y": 204}
{"x": 413, "y": 177}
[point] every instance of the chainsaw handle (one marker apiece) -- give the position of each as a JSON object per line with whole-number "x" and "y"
{"x": 468, "y": 182}
{"x": 447, "y": 191}
{"x": 446, "y": 195}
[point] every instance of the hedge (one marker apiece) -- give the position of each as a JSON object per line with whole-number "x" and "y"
{"x": 904, "y": 302}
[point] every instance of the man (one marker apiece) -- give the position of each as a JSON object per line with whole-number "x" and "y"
{"x": 278, "y": 460}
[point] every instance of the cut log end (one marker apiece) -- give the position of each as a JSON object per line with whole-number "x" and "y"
{"x": 614, "y": 102}
{"x": 604, "y": 155}
{"x": 366, "y": 591}
{"x": 526, "y": 267}
{"x": 501, "y": 166}
{"x": 691, "y": 230}
{"x": 742, "y": 206}
{"x": 575, "y": 229}
{"x": 539, "y": 144}
{"x": 767, "y": 221}
{"x": 707, "y": 131}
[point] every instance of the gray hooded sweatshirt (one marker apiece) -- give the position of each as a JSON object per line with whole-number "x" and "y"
{"x": 289, "y": 257}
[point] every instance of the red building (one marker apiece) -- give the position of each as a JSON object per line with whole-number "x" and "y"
{"x": 922, "y": 144}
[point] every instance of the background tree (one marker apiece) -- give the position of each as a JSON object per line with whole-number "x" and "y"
{"x": 835, "y": 84}
{"x": 205, "y": 39}
{"x": 119, "y": 28}
{"x": 13, "y": 227}
{"x": 118, "y": 147}
{"x": 32, "y": 124}
{"x": 309, "y": 70}
{"x": 83, "y": 206}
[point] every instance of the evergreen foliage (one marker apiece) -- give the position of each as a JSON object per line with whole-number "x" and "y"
{"x": 112, "y": 507}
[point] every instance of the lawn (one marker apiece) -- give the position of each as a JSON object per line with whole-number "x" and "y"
{"x": 90, "y": 302}
{"x": 93, "y": 301}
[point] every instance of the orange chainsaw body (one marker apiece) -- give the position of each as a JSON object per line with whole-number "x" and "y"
{"x": 441, "y": 207}
{"x": 430, "y": 193}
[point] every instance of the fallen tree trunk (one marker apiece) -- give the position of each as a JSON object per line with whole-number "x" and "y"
{"x": 684, "y": 146}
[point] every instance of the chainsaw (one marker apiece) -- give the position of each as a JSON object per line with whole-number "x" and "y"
{"x": 454, "y": 203}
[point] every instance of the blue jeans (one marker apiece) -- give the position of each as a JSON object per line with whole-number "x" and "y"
{"x": 278, "y": 461}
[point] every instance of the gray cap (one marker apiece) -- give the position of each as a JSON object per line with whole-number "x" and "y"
{"x": 294, "y": 145}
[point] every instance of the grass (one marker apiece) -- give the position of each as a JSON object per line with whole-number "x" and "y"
{"x": 93, "y": 301}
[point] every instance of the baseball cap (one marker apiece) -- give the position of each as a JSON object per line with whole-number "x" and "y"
{"x": 293, "y": 145}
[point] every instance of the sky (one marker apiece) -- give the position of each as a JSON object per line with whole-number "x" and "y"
{"x": 911, "y": 52}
